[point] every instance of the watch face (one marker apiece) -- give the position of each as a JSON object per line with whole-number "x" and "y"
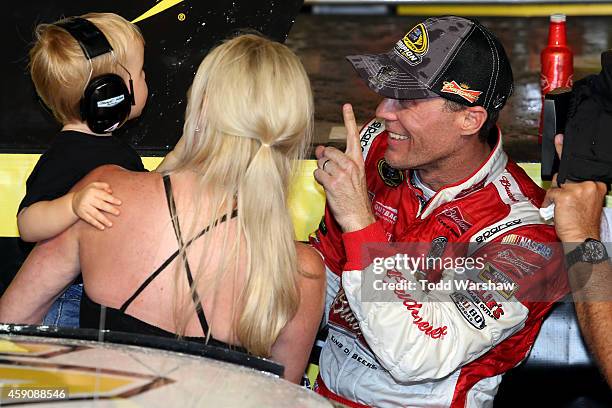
{"x": 594, "y": 251}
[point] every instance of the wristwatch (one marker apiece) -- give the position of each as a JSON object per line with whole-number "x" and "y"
{"x": 591, "y": 251}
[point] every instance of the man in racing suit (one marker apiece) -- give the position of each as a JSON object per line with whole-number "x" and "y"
{"x": 431, "y": 171}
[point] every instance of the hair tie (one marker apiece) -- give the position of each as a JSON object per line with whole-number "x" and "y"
{"x": 266, "y": 144}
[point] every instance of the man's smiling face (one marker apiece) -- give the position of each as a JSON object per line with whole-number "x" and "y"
{"x": 421, "y": 132}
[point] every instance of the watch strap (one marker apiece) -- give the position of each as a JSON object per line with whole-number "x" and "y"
{"x": 574, "y": 256}
{"x": 581, "y": 254}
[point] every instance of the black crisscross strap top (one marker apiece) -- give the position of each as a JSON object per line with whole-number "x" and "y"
{"x": 119, "y": 320}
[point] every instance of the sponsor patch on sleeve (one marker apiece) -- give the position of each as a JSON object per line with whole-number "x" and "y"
{"x": 490, "y": 274}
{"x": 544, "y": 251}
{"x": 468, "y": 310}
{"x": 515, "y": 263}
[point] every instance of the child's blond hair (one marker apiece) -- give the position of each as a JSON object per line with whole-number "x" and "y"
{"x": 60, "y": 69}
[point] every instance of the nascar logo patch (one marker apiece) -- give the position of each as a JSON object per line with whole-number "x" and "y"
{"x": 414, "y": 45}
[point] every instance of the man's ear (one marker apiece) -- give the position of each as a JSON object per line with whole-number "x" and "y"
{"x": 473, "y": 118}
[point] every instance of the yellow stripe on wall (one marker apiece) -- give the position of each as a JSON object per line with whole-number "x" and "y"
{"x": 306, "y": 198}
{"x": 505, "y": 10}
{"x": 14, "y": 171}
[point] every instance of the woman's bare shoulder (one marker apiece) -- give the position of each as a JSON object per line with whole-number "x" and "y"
{"x": 140, "y": 193}
{"x": 310, "y": 262}
{"x": 117, "y": 177}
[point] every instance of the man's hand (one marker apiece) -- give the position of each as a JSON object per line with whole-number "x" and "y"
{"x": 342, "y": 175}
{"x": 89, "y": 204}
{"x": 577, "y": 209}
{"x": 578, "y": 206}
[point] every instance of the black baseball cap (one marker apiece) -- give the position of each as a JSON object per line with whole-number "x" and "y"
{"x": 452, "y": 57}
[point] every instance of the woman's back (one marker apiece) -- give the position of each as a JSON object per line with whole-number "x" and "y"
{"x": 117, "y": 261}
{"x": 142, "y": 240}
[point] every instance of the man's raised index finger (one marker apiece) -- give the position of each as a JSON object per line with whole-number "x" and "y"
{"x": 353, "y": 146}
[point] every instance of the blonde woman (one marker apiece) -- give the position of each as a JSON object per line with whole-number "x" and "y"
{"x": 205, "y": 250}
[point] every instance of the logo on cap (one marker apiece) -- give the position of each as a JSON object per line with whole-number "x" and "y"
{"x": 461, "y": 90}
{"x": 414, "y": 45}
{"x": 385, "y": 74}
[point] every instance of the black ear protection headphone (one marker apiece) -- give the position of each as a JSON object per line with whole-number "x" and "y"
{"x": 106, "y": 100}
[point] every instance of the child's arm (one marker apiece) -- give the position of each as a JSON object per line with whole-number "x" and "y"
{"x": 46, "y": 219}
{"x": 171, "y": 158}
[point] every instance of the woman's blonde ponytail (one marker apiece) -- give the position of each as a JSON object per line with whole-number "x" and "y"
{"x": 248, "y": 122}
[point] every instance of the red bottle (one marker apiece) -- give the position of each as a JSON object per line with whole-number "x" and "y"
{"x": 557, "y": 61}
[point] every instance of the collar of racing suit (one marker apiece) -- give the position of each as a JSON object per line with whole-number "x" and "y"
{"x": 488, "y": 171}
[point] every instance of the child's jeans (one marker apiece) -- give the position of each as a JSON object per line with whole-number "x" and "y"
{"x": 65, "y": 311}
